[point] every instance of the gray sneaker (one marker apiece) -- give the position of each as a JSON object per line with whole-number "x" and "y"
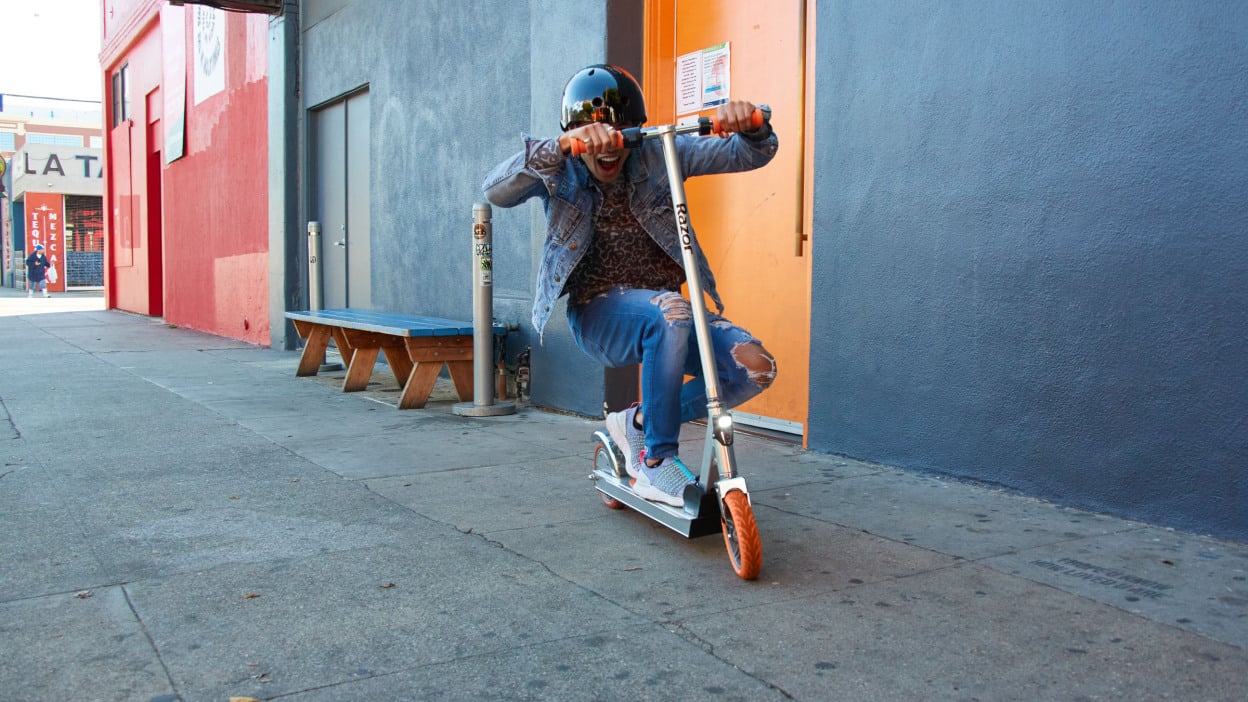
{"x": 665, "y": 482}
{"x": 630, "y": 439}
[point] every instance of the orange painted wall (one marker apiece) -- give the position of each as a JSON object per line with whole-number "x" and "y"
{"x": 748, "y": 223}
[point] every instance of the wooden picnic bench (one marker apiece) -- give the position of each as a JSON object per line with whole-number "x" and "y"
{"x": 415, "y": 348}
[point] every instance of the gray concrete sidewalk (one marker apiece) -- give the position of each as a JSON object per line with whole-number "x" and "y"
{"x": 181, "y": 518}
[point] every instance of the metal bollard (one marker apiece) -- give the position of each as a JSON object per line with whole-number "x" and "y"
{"x": 483, "y": 404}
{"x": 314, "y": 266}
{"x": 314, "y": 280}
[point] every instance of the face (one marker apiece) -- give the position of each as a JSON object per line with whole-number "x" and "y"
{"x": 605, "y": 168}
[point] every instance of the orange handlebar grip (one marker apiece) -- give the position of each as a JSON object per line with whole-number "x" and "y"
{"x": 756, "y": 121}
{"x": 578, "y": 146}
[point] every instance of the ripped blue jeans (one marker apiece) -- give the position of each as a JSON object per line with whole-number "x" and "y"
{"x": 655, "y": 328}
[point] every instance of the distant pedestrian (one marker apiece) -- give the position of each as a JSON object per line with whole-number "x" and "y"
{"x": 37, "y": 266}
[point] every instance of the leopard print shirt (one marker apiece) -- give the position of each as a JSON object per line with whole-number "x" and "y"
{"x": 621, "y": 253}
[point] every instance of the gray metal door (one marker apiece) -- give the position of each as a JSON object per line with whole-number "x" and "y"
{"x": 341, "y": 143}
{"x": 359, "y": 269}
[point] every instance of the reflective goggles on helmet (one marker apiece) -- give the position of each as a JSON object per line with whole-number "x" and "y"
{"x": 603, "y": 93}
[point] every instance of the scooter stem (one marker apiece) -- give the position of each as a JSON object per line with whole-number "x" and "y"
{"x": 688, "y": 246}
{"x": 721, "y": 450}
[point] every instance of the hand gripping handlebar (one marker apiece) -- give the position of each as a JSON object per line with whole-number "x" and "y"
{"x": 633, "y": 136}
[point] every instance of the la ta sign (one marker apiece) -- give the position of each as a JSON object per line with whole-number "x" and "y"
{"x": 53, "y": 165}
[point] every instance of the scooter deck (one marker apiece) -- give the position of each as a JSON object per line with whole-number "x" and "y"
{"x": 692, "y": 521}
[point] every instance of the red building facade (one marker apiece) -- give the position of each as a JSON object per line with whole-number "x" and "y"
{"x": 186, "y": 190}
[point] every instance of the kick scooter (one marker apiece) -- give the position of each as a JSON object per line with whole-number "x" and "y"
{"x": 725, "y": 508}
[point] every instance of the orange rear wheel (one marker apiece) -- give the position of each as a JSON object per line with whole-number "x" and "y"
{"x": 604, "y": 463}
{"x": 745, "y": 549}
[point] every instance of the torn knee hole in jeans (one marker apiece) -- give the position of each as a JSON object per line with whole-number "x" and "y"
{"x": 674, "y": 307}
{"x": 760, "y": 365}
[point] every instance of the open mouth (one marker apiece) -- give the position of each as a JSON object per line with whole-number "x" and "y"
{"x": 608, "y": 163}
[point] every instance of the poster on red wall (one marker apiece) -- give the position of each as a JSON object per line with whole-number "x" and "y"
{"x": 45, "y": 225}
{"x": 209, "y": 47}
{"x": 173, "y": 87}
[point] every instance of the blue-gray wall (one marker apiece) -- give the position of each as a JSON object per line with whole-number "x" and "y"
{"x": 1031, "y": 249}
{"x": 567, "y": 34}
{"x": 452, "y": 86}
{"x": 1030, "y": 260}
{"x": 437, "y": 109}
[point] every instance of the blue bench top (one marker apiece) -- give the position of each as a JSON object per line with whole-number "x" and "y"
{"x": 388, "y": 322}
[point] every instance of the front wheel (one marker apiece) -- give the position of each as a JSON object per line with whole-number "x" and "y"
{"x": 745, "y": 549}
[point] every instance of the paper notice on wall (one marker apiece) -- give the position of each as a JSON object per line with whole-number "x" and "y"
{"x": 703, "y": 79}
{"x": 689, "y": 83}
{"x": 209, "y": 34}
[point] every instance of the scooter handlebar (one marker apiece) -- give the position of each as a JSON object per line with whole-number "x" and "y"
{"x": 633, "y": 136}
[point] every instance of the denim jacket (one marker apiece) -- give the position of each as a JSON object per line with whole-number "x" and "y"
{"x": 571, "y": 201}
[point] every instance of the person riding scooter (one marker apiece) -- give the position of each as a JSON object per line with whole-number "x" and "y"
{"x": 612, "y": 247}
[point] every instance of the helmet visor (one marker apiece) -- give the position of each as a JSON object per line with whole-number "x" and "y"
{"x": 603, "y": 94}
{"x": 600, "y": 109}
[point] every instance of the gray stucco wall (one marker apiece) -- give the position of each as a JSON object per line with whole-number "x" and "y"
{"x": 452, "y": 86}
{"x": 1031, "y": 249}
{"x": 437, "y": 110}
{"x": 1029, "y": 252}
{"x": 567, "y": 34}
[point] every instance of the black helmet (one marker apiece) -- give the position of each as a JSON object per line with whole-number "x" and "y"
{"x": 602, "y": 93}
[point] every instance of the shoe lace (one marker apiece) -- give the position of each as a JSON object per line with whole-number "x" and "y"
{"x": 688, "y": 473}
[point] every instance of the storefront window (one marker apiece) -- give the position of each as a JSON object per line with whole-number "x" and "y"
{"x": 84, "y": 240}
